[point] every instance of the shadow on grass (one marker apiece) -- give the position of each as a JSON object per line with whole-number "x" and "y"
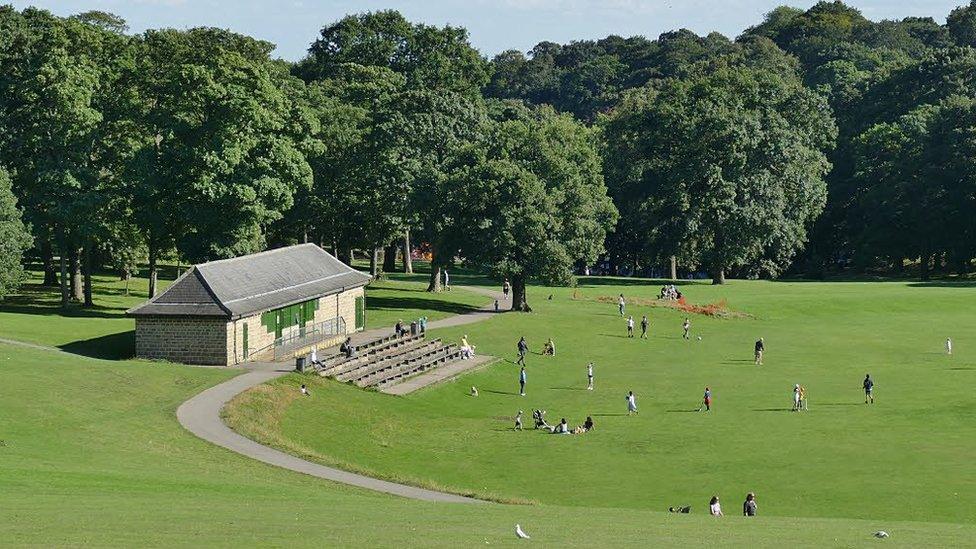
{"x": 961, "y": 368}
{"x": 693, "y": 410}
{"x": 38, "y": 300}
{"x": 419, "y": 303}
{"x": 839, "y": 404}
{"x": 568, "y": 388}
{"x": 944, "y": 284}
{"x": 627, "y": 281}
{"x": 494, "y": 392}
{"x": 773, "y": 409}
{"x": 118, "y": 346}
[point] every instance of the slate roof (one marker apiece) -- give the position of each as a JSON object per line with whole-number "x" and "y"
{"x": 255, "y": 283}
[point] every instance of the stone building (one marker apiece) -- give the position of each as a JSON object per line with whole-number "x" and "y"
{"x": 272, "y": 304}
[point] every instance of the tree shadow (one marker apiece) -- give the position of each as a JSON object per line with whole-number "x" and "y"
{"x": 405, "y": 303}
{"x": 963, "y": 368}
{"x": 944, "y": 284}
{"x": 630, "y": 281}
{"x": 118, "y": 346}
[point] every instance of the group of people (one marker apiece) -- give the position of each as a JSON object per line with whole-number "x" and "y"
{"x": 644, "y": 324}
{"x": 669, "y": 293}
{"x": 418, "y": 326}
{"x": 800, "y": 398}
{"x": 561, "y": 428}
{"x": 749, "y": 506}
{"x": 467, "y": 350}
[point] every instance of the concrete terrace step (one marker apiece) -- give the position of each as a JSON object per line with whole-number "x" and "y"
{"x": 335, "y": 366}
{"x": 401, "y": 372}
{"x": 390, "y": 360}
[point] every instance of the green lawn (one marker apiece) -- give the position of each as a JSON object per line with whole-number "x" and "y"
{"x": 908, "y": 457}
{"x": 404, "y": 297}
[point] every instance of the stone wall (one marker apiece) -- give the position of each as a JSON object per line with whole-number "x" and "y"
{"x": 192, "y": 340}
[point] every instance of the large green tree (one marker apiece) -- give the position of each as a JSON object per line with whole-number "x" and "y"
{"x": 528, "y": 201}
{"x": 724, "y": 167}
{"x": 14, "y": 238}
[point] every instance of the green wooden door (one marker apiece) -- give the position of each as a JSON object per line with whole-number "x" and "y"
{"x": 279, "y": 323}
{"x": 360, "y": 313}
{"x": 245, "y": 341}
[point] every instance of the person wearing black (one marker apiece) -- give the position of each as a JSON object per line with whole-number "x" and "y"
{"x": 399, "y": 329}
{"x": 523, "y": 348}
{"x": 644, "y": 324}
{"x": 749, "y": 505}
{"x": 868, "y": 389}
{"x": 588, "y": 424}
{"x": 760, "y": 347}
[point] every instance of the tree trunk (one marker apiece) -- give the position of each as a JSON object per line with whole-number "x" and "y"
{"x": 47, "y": 260}
{"x": 389, "y": 258}
{"x": 128, "y": 276}
{"x": 718, "y": 275}
{"x": 62, "y": 258}
{"x": 435, "y": 278}
{"x": 153, "y": 272}
{"x": 87, "y": 273}
{"x": 374, "y": 263}
{"x": 407, "y": 260}
{"x": 347, "y": 256}
{"x": 518, "y": 295}
{"x": 674, "y": 268}
{"x": 77, "y": 294}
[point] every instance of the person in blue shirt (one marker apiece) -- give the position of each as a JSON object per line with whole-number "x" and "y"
{"x": 522, "y": 382}
{"x": 707, "y": 399}
{"x": 868, "y": 389}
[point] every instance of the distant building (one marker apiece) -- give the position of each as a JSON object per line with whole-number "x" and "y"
{"x": 252, "y": 307}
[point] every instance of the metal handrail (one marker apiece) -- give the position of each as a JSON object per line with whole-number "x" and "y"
{"x": 331, "y": 327}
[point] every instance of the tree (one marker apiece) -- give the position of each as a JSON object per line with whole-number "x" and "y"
{"x": 14, "y": 238}
{"x": 529, "y": 201}
{"x": 726, "y": 164}
{"x": 961, "y": 24}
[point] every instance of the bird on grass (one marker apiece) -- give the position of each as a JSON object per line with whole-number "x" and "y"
{"x": 520, "y": 534}
{"x": 881, "y": 534}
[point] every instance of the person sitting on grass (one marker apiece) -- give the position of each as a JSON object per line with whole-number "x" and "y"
{"x": 549, "y": 349}
{"x": 539, "y": 416}
{"x": 588, "y": 424}
{"x": 562, "y": 428}
{"x": 714, "y": 507}
{"x": 749, "y": 505}
{"x": 305, "y": 390}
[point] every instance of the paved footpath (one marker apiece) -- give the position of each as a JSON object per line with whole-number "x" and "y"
{"x": 201, "y": 416}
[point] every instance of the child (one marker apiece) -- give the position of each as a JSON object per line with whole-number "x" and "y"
{"x": 868, "y": 389}
{"x": 687, "y": 327}
{"x": 631, "y": 403}
{"x": 549, "y": 348}
{"x": 305, "y": 390}
{"x": 474, "y": 391}
{"x": 518, "y": 421}
{"x": 630, "y": 326}
{"x": 589, "y": 376}
{"x": 948, "y": 346}
{"x": 707, "y": 399}
{"x": 760, "y": 347}
{"x": 796, "y": 397}
{"x": 496, "y": 305}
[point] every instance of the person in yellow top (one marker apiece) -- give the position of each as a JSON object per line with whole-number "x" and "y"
{"x": 803, "y": 398}
{"x": 549, "y": 348}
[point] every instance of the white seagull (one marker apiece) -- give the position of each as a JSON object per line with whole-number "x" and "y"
{"x": 520, "y": 533}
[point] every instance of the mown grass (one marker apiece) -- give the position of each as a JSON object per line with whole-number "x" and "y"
{"x": 905, "y": 458}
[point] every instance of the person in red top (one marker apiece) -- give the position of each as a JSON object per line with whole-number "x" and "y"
{"x": 707, "y": 399}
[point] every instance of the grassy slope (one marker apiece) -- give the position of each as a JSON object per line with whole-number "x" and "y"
{"x": 92, "y": 455}
{"x": 404, "y": 297}
{"x": 906, "y": 458}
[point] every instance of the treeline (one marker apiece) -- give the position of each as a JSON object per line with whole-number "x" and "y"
{"x": 817, "y": 141}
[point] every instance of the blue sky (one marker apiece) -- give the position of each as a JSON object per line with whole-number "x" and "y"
{"x": 494, "y": 25}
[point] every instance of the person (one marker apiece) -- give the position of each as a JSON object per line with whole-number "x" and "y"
{"x": 707, "y": 399}
{"x": 948, "y": 346}
{"x": 506, "y": 287}
{"x": 588, "y": 424}
{"x": 399, "y": 329}
{"x": 305, "y": 390}
{"x": 522, "y": 382}
{"x": 467, "y": 350}
{"x": 749, "y": 505}
{"x": 540, "y": 419}
{"x": 686, "y": 326}
{"x": 760, "y": 347}
{"x": 549, "y": 348}
{"x": 630, "y": 326}
{"x": 796, "y": 397}
{"x": 496, "y": 305}
{"x": 714, "y": 507}
{"x": 589, "y": 376}
{"x": 621, "y": 304}
{"x": 423, "y": 324}
{"x": 868, "y": 389}
{"x": 644, "y": 324}
{"x": 803, "y": 399}
{"x": 562, "y": 428}
{"x": 474, "y": 391}
{"x": 447, "y": 280}
{"x": 347, "y": 349}
{"x": 313, "y": 357}
{"x": 631, "y": 403}
{"x": 523, "y": 347}
{"x": 518, "y": 421}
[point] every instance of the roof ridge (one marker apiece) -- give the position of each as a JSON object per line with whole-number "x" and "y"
{"x": 255, "y": 254}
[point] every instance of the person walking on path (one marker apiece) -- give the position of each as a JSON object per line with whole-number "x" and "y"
{"x": 687, "y": 328}
{"x": 749, "y": 505}
{"x": 948, "y": 346}
{"x": 630, "y": 326}
{"x": 631, "y": 403}
{"x": 523, "y": 347}
{"x": 621, "y": 304}
{"x": 522, "y": 382}
{"x": 518, "y": 421}
{"x": 506, "y": 287}
{"x": 760, "y": 347}
{"x": 868, "y": 389}
{"x": 644, "y": 324}
{"x": 707, "y": 400}
{"x": 447, "y": 280}
{"x": 589, "y": 377}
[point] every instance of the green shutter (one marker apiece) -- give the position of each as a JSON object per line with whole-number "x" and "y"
{"x": 360, "y": 313}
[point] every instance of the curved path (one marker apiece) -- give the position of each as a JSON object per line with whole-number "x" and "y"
{"x": 201, "y": 416}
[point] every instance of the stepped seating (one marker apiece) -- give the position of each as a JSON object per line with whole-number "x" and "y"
{"x": 389, "y": 360}
{"x": 338, "y": 362}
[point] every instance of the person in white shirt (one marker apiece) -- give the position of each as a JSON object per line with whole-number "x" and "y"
{"x": 714, "y": 507}
{"x": 305, "y": 390}
{"x": 630, "y": 326}
{"x": 796, "y": 397}
{"x": 589, "y": 376}
{"x": 313, "y": 357}
{"x": 631, "y": 403}
{"x": 948, "y": 346}
{"x": 621, "y": 304}
{"x": 687, "y": 328}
